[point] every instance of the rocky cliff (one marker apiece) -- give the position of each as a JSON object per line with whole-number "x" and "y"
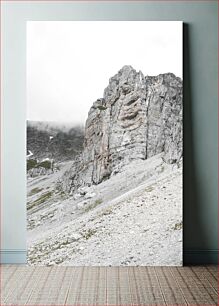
{"x": 138, "y": 117}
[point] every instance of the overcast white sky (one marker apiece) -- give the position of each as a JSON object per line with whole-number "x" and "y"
{"x": 69, "y": 63}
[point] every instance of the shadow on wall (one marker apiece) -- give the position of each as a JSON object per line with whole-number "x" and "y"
{"x": 192, "y": 225}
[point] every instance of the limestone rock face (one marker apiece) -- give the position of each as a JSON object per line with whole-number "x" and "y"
{"x": 137, "y": 118}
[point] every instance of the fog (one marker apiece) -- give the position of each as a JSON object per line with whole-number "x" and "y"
{"x": 69, "y": 63}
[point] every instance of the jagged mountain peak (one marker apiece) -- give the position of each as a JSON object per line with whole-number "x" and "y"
{"x": 137, "y": 118}
{"x": 126, "y": 69}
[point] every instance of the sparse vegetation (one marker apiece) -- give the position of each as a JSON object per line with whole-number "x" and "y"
{"x": 43, "y": 198}
{"x": 106, "y": 212}
{"x": 93, "y": 205}
{"x": 161, "y": 169}
{"x": 35, "y": 191}
{"x": 62, "y": 194}
{"x": 101, "y": 107}
{"x": 149, "y": 189}
{"x": 64, "y": 243}
{"x": 98, "y": 201}
{"x": 178, "y": 226}
{"x": 88, "y": 233}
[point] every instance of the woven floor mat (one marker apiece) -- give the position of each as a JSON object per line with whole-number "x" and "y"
{"x": 101, "y": 286}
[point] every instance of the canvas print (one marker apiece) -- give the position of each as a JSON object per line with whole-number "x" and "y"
{"x": 104, "y": 143}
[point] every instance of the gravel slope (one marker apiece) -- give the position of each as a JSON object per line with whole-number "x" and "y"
{"x": 134, "y": 218}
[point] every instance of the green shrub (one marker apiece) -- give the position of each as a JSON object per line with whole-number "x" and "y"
{"x": 31, "y": 163}
{"x": 101, "y": 108}
{"x": 45, "y": 164}
{"x": 178, "y": 226}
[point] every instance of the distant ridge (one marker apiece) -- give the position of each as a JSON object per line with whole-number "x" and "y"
{"x": 58, "y": 141}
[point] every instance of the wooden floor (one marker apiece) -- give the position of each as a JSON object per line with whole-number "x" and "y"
{"x": 23, "y": 285}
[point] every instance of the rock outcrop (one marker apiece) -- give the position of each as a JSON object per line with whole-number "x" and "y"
{"x": 137, "y": 118}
